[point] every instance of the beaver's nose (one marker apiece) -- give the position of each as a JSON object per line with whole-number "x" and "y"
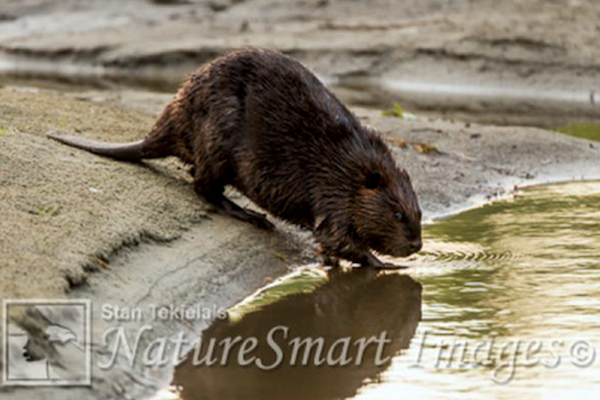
{"x": 416, "y": 245}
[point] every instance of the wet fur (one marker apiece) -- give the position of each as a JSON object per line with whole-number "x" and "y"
{"x": 261, "y": 122}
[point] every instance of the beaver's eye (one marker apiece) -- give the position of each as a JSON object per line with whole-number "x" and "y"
{"x": 400, "y": 216}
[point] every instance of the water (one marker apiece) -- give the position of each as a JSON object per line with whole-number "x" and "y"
{"x": 518, "y": 279}
{"x": 523, "y": 271}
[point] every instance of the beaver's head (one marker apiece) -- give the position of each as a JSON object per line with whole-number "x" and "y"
{"x": 387, "y": 214}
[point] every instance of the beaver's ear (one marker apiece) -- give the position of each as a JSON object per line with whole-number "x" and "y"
{"x": 374, "y": 180}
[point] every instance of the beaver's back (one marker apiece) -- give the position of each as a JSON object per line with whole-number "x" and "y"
{"x": 297, "y": 140}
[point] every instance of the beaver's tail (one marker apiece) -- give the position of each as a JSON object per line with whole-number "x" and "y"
{"x": 132, "y": 151}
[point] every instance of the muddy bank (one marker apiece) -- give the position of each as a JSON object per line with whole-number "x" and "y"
{"x": 80, "y": 226}
{"x": 538, "y": 59}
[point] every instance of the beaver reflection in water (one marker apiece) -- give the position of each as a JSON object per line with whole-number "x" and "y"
{"x": 260, "y": 121}
{"x": 308, "y": 330}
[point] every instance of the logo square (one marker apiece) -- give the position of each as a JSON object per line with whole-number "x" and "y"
{"x": 53, "y": 348}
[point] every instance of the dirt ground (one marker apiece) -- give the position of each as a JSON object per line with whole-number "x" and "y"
{"x": 80, "y": 226}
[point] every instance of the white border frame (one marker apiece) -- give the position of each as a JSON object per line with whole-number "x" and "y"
{"x": 87, "y": 304}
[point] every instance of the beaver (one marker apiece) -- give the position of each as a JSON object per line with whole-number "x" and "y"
{"x": 259, "y": 121}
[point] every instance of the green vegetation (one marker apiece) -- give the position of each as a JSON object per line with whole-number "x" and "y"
{"x": 587, "y": 131}
{"x": 44, "y": 211}
{"x": 398, "y": 112}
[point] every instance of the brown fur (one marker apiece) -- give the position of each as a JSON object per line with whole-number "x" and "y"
{"x": 261, "y": 122}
